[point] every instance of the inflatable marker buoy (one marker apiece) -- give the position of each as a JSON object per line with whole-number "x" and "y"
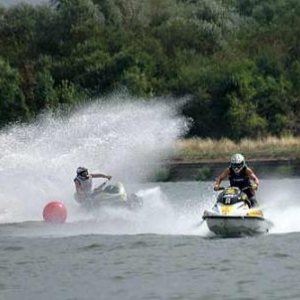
{"x": 55, "y": 212}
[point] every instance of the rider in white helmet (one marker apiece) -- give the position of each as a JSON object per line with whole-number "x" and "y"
{"x": 240, "y": 176}
{"x": 84, "y": 184}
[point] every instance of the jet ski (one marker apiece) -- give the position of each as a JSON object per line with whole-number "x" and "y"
{"x": 112, "y": 195}
{"x": 232, "y": 215}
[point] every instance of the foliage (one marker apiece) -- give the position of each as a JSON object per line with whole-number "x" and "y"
{"x": 12, "y": 101}
{"x": 204, "y": 173}
{"x": 237, "y": 60}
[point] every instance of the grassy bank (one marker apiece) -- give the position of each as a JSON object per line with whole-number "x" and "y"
{"x": 270, "y": 148}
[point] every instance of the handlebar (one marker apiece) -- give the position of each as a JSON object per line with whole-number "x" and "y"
{"x": 222, "y": 188}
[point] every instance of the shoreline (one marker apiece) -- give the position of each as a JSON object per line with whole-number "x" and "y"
{"x": 180, "y": 170}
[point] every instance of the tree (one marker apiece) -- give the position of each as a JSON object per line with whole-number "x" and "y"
{"x": 12, "y": 100}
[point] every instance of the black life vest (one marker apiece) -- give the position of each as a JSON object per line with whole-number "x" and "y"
{"x": 240, "y": 180}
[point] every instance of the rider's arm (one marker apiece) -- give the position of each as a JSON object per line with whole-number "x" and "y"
{"x": 252, "y": 176}
{"x": 222, "y": 176}
{"x": 101, "y": 176}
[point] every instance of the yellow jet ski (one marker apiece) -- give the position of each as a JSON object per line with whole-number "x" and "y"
{"x": 232, "y": 215}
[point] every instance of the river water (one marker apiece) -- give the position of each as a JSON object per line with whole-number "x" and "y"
{"x": 158, "y": 252}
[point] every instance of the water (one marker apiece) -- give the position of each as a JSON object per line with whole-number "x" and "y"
{"x": 159, "y": 252}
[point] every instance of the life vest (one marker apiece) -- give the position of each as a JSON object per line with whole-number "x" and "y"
{"x": 240, "y": 180}
{"x": 85, "y": 183}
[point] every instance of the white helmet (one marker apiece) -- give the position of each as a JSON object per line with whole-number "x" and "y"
{"x": 237, "y": 162}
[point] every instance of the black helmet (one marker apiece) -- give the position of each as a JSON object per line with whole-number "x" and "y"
{"x": 82, "y": 171}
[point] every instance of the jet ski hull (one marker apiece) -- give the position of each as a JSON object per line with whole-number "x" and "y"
{"x": 114, "y": 196}
{"x": 132, "y": 202}
{"x": 237, "y": 225}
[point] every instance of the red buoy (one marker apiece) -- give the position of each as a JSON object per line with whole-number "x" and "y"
{"x": 55, "y": 212}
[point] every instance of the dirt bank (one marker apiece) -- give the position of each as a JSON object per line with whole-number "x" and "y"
{"x": 208, "y": 170}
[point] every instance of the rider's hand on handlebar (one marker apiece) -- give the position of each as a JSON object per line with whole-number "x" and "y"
{"x": 254, "y": 186}
{"x": 216, "y": 187}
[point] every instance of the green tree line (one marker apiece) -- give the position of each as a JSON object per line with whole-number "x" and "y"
{"x": 237, "y": 61}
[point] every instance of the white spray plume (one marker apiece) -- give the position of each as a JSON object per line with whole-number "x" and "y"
{"x": 120, "y": 136}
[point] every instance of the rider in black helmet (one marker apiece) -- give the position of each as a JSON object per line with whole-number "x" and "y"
{"x": 84, "y": 183}
{"x": 240, "y": 176}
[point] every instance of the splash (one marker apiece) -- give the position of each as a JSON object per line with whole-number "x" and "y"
{"x": 281, "y": 204}
{"x": 120, "y": 136}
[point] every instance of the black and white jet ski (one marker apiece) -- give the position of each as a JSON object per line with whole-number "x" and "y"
{"x": 232, "y": 215}
{"x": 112, "y": 195}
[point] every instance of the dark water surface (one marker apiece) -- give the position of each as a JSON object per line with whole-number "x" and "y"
{"x": 150, "y": 267}
{"x": 157, "y": 253}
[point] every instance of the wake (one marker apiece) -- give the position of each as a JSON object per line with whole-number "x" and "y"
{"x": 121, "y": 136}
{"x": 282, "y": 204}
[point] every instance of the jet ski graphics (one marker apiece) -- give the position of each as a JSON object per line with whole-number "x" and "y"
{"x": 232, "y": 215}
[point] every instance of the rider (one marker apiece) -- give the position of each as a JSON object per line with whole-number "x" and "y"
{"x": 240, "y": 176}
{"x": 84, "y": 182}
